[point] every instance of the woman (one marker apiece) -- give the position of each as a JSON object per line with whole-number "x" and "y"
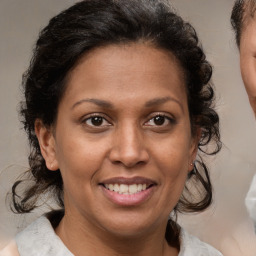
{"x": 117, "y": 104}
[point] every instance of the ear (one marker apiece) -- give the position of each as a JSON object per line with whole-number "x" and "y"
{"x": 46, "y": 140}
{"x": 194, "y": 148}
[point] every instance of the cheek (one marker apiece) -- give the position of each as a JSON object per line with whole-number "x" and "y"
{"x": 248, "y": 70}
{"x": 173, "y": 154}
{"x": 174, "y": 172}
{"x": 173, "y": 157}
{"x": 79, "y": 164}
{"x": 79, "y": 159}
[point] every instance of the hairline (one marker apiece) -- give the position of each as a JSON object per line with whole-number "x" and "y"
{"x": 248, "y": 12}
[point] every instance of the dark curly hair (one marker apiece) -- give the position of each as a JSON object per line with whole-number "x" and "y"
{"x": 94, "y": 23}
{"x": 242, "y": 9}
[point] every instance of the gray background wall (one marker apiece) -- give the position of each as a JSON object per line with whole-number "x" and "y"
{"x": 226, "y": 224}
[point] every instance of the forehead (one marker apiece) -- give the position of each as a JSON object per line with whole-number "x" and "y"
{"x": 136, "y": 51}
{"x": 131, "y": 67}
{"x": 248, "y": 28}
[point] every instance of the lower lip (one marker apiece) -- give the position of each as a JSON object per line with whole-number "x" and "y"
{"x": 128, "y": 200}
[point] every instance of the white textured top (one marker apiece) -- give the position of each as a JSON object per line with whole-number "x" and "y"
{"x": 39, "y": 239}
{"x": 250, "y": 200}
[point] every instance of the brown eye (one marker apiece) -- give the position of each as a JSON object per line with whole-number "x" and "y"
{"x": 159, "y": 120}
{"x": 96, "y": 121}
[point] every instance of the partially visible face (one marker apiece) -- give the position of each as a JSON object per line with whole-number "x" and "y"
{"x": 248, "y": 59}
{"x": 123, "y": 139}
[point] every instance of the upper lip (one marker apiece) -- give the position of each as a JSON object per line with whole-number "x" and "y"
{"x": 129, "y": 181}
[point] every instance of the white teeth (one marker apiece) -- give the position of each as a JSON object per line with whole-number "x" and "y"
{"x": 123, "y": 188}
{"x": 133, "y": 188}
{"x": 116, "y": 188}
{"x": 126, "y": 189}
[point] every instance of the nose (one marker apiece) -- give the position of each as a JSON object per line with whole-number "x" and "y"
{"x": 128, "y": 147}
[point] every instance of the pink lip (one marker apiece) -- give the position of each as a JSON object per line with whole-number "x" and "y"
{"x": 129, "y": 200}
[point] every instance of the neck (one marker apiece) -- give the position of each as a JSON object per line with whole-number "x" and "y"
{"x": 81, "y": 239}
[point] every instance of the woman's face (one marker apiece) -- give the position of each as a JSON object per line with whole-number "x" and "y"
{"x": 122, "y": 139}
{"x": 247, "y": 59}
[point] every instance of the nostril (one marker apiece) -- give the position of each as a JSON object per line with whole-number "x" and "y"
{"x": 141, "y": 163}
{"x": 116, "y": 162}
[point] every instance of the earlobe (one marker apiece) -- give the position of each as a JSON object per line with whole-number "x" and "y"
{"x": 47, "y": 144}
{"x": 194, "y": 148}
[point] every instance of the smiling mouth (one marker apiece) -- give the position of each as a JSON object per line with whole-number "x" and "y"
{"x": 128, "y": 186}
{"x": 125, "y": 189}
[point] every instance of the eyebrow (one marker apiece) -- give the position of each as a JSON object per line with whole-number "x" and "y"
{"x": 160, "y": 101}
{"x": 148, "y": 104}
{"x": 100, "y": 103}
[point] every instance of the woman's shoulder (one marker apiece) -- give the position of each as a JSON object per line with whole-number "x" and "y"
{"x": 40, "y": 237}
{"x": 191, "y": 245}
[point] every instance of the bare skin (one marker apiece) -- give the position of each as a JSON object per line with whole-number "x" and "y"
{"x": 123, "y": 120}
{"x": 10, "y": 250}
{"x": 248, "y": 59}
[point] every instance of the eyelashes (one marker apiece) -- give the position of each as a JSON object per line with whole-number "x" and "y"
{"x": 160, "y": 120}
{"x": 96, "y": 121}
{"x": 155, "y": 120}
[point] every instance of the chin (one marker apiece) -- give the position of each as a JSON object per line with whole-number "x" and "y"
{"x": 131, "y": 226}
